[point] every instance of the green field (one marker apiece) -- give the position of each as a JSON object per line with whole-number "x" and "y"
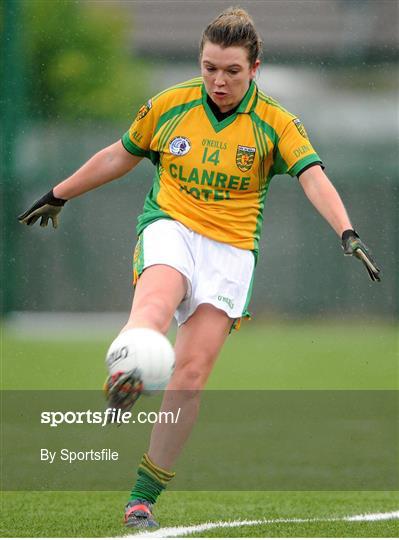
{"x": 261, "y": 356}
{"x": 86, "y": 514}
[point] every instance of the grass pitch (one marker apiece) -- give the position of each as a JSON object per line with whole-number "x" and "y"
{"x": 259, "y": 356}
{"x": 291, "y": 356}
{"x": 90, "y": 514}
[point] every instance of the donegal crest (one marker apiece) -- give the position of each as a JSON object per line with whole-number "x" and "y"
{"x": 301, "y": 128}
{"x": 245, "y": 157}
{"x": 144, "y": 110}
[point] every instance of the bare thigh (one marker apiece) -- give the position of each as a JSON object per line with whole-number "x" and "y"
{"x": 159, "y": 290}
{"x": 198, "y": 344}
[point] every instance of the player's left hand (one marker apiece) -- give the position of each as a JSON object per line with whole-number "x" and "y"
{"x": 352, "y": 245}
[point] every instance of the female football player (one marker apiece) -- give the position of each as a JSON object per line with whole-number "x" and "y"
{"x": 216, "y": 142}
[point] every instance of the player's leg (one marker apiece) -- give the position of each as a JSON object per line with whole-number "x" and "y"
{"x": 198, "y": 343}
{"x": 220, "y": 278}
{"x": 158, "y": 292}
{"x": 162, "y": 266}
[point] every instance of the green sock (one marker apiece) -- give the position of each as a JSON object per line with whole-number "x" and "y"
{"x": 151, "y": 481}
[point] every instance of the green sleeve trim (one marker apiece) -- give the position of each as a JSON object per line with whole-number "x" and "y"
{"x": 304, "y": 162}
{"x": 133, "y": 148}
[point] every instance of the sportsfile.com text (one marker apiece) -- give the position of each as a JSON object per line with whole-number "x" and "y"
{"x": 109, "y": 416}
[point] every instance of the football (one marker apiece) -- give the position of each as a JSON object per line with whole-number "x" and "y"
{"x": 145, "y": 350}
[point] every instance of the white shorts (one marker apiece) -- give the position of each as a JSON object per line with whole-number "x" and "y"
{"x": 216, "y": 273}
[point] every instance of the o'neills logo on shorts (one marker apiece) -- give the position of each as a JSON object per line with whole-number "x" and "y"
{"x": 226, "y": 300}
{"x": 245, "y": 157}
{"x": 180, "y": 146}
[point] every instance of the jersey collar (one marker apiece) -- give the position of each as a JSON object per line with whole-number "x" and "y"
{"x": 249, "y": 100}
{"x": 246, "y": 106}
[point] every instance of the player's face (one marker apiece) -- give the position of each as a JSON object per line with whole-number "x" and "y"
{"x": 227, "y": 74}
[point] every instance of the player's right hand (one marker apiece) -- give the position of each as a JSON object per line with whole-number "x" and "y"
{"x": 48, "y": 207}
{"x": 352, "y": 245}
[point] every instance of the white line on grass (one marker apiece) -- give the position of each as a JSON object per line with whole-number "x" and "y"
{"x": 168, "y": 532}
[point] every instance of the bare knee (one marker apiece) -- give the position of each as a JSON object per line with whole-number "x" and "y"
{"x": 189, "y": 379}
{"x": 193, "y": 373}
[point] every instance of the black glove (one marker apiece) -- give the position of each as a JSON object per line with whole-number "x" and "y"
{"x": 352, "y": 245}
{"x": 47, "y": 207}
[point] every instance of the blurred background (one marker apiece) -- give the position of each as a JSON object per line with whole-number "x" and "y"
{"x": 74, "y": 75}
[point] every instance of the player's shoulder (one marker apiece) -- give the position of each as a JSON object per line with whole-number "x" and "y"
{"x": 271, "y": 111}
{"x": 179, "y": 94}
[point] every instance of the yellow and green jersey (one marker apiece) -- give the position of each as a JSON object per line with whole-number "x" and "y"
{"x": 213, "y": 176}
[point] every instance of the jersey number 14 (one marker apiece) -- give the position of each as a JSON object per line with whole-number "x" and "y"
{"x": 213, "y": 157}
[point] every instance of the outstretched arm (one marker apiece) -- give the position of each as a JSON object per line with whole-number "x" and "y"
{"x": 108, "y": 164}
{"x": 325, "y": 198}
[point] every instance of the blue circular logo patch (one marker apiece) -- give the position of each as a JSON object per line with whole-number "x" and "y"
{"x": 179, "y": 146}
